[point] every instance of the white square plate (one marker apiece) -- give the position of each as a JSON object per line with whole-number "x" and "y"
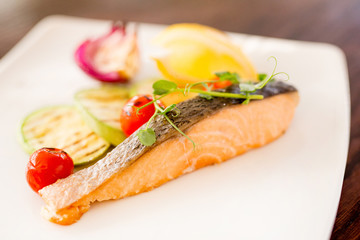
{"x": 288, "y": 189}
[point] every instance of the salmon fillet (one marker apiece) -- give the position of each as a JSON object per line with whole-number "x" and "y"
{"x": 223, "y": 135}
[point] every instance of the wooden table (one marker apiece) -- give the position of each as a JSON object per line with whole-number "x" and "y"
{"x": 333, "y": 21}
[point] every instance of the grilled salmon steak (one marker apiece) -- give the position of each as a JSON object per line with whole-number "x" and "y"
{"x": 222, "y": 128}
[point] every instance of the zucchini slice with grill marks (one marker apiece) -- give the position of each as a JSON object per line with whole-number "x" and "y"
{"x": 101, "y": 110}
{"x": 62, "y": 127}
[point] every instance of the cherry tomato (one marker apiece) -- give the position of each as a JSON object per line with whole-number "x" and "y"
{"x": 219, "y": 84}
{"x": 46, "y": 166}
{"x": 130, "y": 120}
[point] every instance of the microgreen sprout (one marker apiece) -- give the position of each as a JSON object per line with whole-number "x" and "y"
{"x": 163, "y": 88}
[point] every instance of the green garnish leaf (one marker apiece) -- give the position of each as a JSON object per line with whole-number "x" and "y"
{"x": 206, "y": 96}
{"x": 147, "y": 136}
{"x": 162, "y": 87}
{"x": 247, "y": 87}
{"x": 262, "y": 76}
{"x": 228, "y": 76}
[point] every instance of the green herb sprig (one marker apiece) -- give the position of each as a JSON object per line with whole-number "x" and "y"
{"x": 163, "y": 88}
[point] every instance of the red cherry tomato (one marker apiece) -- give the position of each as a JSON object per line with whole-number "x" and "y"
{"x": 47, "y": 165}
{"x": 130, "y": 120}
{"x": 219, "y": 84}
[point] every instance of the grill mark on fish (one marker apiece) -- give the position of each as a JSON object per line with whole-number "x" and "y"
{"x": 126, "y": 153}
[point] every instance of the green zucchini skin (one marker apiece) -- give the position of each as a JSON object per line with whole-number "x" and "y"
{"x": 101, "y": 109}
{"x": 61, "y": 127}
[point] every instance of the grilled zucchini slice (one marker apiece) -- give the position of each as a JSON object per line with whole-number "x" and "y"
{"x": 62, "y": 127}
{"x": 101, "y": 109}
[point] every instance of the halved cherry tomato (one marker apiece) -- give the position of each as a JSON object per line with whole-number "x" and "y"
{"x": 130, "y": 120}
{"x": 46, "y": 166}
{"x": 219, "y": 84}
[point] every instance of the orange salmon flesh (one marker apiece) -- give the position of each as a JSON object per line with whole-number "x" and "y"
{"x": 227, "y": 133}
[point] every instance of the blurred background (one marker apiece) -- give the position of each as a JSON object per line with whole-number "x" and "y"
{"x": 332, "y": 21}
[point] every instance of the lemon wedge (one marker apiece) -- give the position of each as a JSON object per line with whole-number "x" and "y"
{"x": 195, "y": 52}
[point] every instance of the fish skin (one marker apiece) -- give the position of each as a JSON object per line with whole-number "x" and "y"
{"x": 65, "y": 192}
